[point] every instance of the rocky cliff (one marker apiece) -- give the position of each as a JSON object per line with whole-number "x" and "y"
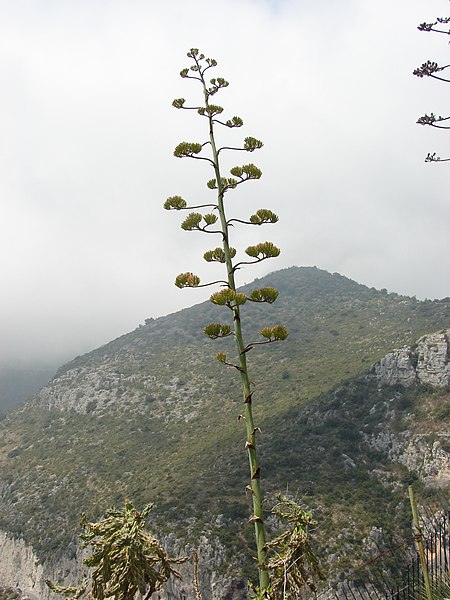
{"x": 427, "y": 362}
{"x": 421, "y": 452}
{"x": 22, "y": 570}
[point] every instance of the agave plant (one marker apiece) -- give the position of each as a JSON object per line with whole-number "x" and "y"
{"x": 126, "y": 559}
{"x": 211, "y": 218}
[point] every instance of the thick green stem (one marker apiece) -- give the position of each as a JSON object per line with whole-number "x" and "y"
{"x": 255, "y": 470}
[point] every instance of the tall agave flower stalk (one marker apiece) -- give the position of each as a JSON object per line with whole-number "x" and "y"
{"x": 213, "y": 219}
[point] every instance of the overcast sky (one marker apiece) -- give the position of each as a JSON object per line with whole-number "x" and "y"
{"x": 87, "y": 132}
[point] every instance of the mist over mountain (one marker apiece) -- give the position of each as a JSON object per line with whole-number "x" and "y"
{"x": 152, "y": 416}
{"x": 18, "y": 383}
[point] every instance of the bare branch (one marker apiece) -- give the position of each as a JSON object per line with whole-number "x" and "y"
{"x": 433, "y": 158}
{"x": 432, "y": 120}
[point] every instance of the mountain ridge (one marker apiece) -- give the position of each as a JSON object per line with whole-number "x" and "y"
{"x": 152, "y": 415}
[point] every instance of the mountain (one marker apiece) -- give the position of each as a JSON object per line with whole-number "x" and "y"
{"x": 152, "y": 416}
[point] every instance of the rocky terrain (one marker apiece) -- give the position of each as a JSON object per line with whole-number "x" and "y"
{"x": 346, "y": 423}
{"x": 426, "y": 363}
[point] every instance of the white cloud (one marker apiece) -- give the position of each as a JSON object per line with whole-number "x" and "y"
{"x": 87, "y": 131}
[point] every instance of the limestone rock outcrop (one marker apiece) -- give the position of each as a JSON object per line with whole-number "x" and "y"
{"x": 396, "y": 368}
{"x": 21, "y": 568}
{"x": 433, "y": 352}
{"x": 426, "y": 362}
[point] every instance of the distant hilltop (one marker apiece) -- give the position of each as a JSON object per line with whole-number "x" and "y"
{"x": 346, "y": 422}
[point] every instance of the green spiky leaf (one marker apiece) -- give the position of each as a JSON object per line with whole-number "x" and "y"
{"x": 217, "y": 330}
{"x": 221, "y": 357}
{"x": 184, "y": 280}
{"x": 74, "y": 592}
{"x": 263, "y": 215}
{"x": 192, "y": 221}
{"x": 126, "y": 560}
{"x": 293, "y": 565}
{"x": 175, "y": 203}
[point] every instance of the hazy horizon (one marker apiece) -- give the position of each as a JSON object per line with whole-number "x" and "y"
{"x": 46, "y": 365}
{"x": 88, "y": 131}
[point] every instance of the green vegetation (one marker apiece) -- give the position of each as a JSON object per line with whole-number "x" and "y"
{"x": 218, "y": 223}
{"x": 126, "y": 559}
{"x": 163, "y": 408}
{"x": 292, "y": 564}
{"x": 342, "y": 465}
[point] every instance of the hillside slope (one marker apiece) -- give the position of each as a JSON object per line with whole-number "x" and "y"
{"x": 152, "y": 416}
